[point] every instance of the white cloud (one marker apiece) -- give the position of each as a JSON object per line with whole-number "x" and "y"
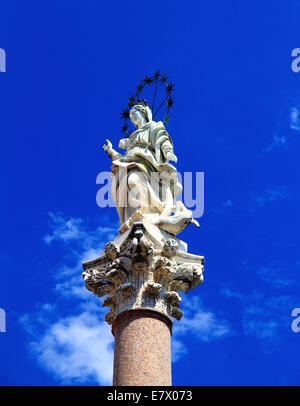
{"x": 71, "y": 230}
{"x": 231, "y": 293}
{"x": 81, "y": 244}
{"x": 264, "y": 317}
{"x": 280, "y": 141}
{"x": 271, "y": 195}
{"x": 223, "y": 206}
{"x": 267, "y": 318}
{"x": 75, "y": 346}
{"x": 204, "y": 324}
{"x": 262, "y": 329}
{"x": 76, "y": 349}
{"x": 265, "y": 314}
{"x": 197, "y": 322}
{"x": 276, "y": 275}
{"x": 178, "y": 349}
{"x": 68, "y": 278}
{"x": 63, "y": 229}
{"x": 228, "y": 203}
{"x": 277, "y": 142}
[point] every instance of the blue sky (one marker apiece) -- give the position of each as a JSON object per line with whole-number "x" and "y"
{"x": 71, "y": 66}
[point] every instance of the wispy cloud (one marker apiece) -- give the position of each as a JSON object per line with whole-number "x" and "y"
{"x": 231, "y": 293}
{"x": 228, "y": 203}
{"x": 70, "y": 230}
{"x": 272, "y": 195}
{"x": 81, "y": 244}
{"x": 178, "y": 349}
{"x": 277, "y": 142}
{"x": 63, "y": 229}
{"x": 280, "y": 138}
{"x": 258, "y": 200}
{"x": 267, "y": 318}
{"x": 76, "y": 347}
{"x": 265, "y": 315}
{"x": 223, "y": 206}
{"x": 276, "y": 275}
{"x": 199, "y": 322}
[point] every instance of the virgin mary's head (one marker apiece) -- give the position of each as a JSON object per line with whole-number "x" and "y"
{"x": 140, "y": 115}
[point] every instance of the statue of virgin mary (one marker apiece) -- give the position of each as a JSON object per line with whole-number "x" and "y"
{"x": 144, "y": 182}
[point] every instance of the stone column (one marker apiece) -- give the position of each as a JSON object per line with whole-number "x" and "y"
{"x": 142, "y": 349}
{"x": 140, "y": 275}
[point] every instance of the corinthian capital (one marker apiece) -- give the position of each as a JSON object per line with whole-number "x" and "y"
{"x": 143, "y": 269}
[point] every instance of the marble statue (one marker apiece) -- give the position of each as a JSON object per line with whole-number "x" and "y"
{"x": 143, "y": 179}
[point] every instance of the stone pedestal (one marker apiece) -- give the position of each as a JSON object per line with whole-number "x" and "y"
{"x": 140, "y": 274}
{"x": 142, "y": 349}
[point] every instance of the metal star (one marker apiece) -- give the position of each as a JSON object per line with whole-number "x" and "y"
{"x": 140, "y": 87}
{"x": 131, "y": 101}
{"x": 148, "y": 80}
{"x": 170, "y": 102}
{"x": 164, "y": 78}
{"x": 125, "y": 114}
{"x": 156, "y": 75}
{"x": 125, "y": 128}
{"x": 169, "y": 87}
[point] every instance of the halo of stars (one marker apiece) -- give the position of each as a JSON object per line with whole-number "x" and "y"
{"x": 163, "y": 86}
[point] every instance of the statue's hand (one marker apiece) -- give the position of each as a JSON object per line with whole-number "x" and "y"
{"x": 171, "y": 157}
{"x": 107, "y": 148}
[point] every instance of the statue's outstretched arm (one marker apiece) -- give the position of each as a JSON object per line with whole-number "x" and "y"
{"x": 112, "y": 153}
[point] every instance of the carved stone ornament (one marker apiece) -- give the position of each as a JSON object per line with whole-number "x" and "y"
{"x": 142, "y": 268}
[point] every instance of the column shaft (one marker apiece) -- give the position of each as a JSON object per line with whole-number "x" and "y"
{"x": 142, "y": 349}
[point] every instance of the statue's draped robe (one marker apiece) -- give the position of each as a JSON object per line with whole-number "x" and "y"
{"x": 142, "y": 178}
